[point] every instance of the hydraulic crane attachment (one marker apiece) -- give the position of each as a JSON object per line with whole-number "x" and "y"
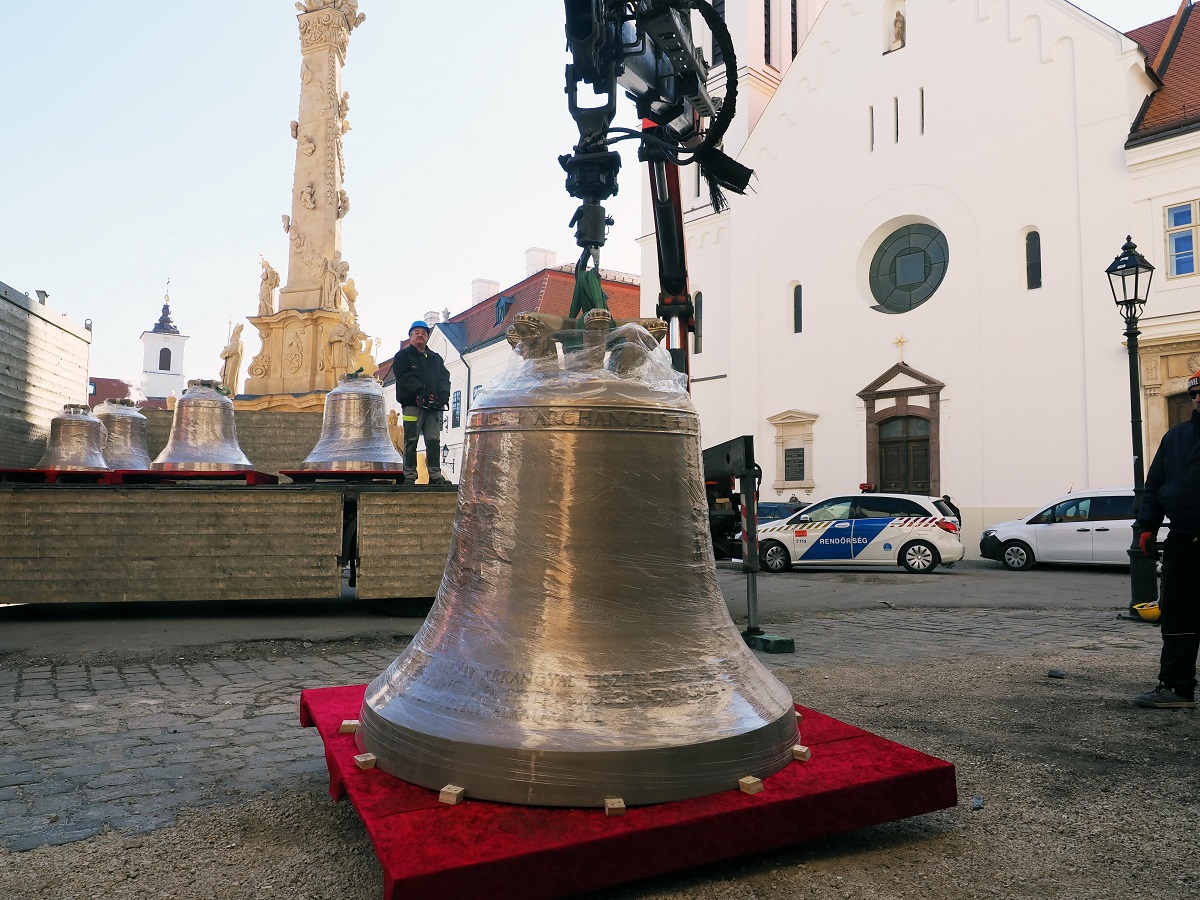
{"x": 646, "y": 48}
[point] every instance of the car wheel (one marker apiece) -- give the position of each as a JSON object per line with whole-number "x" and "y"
{"x": 919, "y": 556}
{"x": 1016, "y": 555}
{"x": 774, "y": 557}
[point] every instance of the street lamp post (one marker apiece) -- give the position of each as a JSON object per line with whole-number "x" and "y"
{"x": 1129, "y": 276}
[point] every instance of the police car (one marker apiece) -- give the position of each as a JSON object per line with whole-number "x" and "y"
{"x": 869, "y": 529}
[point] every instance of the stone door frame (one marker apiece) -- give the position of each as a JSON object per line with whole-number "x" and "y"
{"x": 876, "y": 393}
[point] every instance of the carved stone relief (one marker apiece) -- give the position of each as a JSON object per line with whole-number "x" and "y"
{"x": 308, "y": 196}
{"x": 260, "y": 366}
{"x": 307, "y": 146}
{"x": 294, "y": 127}
{"x": 293, "y": 356}
{"x": 343, "y": 204}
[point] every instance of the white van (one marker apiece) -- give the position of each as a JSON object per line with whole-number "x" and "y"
{"x": 1084, "y": 527}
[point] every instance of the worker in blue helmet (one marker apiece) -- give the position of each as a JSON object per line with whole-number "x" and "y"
{"x": 423, "y": 391}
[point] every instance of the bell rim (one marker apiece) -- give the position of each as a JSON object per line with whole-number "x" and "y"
{"x": 580, "y": 778}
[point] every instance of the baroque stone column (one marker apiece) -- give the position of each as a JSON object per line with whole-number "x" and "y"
{"x": 294, "y": 359}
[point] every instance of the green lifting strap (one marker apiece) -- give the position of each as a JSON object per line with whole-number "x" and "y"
{"x": 588, "y": 294}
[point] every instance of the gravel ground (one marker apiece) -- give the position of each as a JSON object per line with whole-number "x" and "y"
{"x": 1083, "y": 795}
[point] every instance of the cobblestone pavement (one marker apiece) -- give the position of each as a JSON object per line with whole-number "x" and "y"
{"x": 131, "y": 745}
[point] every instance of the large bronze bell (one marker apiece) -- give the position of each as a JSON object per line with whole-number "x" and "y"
{"x": 203, "y": 433}
{"x": 354, "y": 430}
{"x": 125, "y": 445}
{"x": 76, "y": 442}
{"x": 580, "y": 648}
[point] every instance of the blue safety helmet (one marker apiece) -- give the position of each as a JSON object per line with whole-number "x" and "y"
{"x": 418, "y": 324}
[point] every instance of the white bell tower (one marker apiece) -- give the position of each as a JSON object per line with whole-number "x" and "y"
{"x": 162, "y": 361}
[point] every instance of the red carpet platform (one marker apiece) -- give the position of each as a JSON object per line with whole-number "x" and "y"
{"x": 431, "y": 849}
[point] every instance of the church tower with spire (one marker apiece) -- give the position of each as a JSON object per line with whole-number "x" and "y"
{"x": 162, "y": 359}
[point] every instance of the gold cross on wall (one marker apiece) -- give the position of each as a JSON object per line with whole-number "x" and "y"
{"x": 900, "y": 342}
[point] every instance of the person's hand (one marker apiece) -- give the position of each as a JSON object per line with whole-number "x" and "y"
{"x": 1148, "y": 544}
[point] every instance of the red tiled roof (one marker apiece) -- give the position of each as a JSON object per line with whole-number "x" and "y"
{"x": 1151, "y": 36}
{"x": 384, "y": 370}
{"x": 1175, "y": 105}
{"x": 548, "y": 291}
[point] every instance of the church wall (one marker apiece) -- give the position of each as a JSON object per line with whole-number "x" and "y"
{"x": 43, "y": 366}
{"x": 1166, "y": 173}
{"x": 1024, "y": 125}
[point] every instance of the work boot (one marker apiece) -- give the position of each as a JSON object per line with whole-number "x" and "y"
{"x": 438, "y": 479}
{"x": 1162, "y": 697}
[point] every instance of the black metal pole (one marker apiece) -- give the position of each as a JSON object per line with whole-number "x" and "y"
{"x": 1143, "y": 577}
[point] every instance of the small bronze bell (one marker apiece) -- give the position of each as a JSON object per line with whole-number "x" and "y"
{"x": 125, "y": 446}
{"x": 354, "y": 430}
{"x": 76, "y": 442}
{"x": 203, "y": 433}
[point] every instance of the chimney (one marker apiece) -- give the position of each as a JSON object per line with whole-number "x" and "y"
{"x": 482, "y": 288}
{"x": 432, "y": 317}
{"x": 538, "y": 258}
{"x": 42, "y": 297}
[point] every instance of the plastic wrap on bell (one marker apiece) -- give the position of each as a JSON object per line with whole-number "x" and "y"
{"x": 580, "y": 647}
{"x": 354, "y": 430}
{"x": 76, "y": 442}
{"x": 125, "y": 446}
{"x": 203, "y": 433}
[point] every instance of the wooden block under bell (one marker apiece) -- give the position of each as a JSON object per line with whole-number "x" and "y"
{"x": 801, "y": 753}
{"x": 348, "y": 726}
{"x": 365, "y": 760}
{"x": 614, "y": 806}
{"x": 452, "y": 795}
{"x": 750, "y": 785}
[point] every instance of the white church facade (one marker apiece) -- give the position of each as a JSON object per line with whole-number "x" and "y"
{"x": 913, "y": 294}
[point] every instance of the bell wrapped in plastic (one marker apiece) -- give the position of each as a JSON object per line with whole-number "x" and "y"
{"x": 125, "y": 445}
{"x": 203, "y": 433}
{"x": 580, "y": 647}
{"x": 76, "y": 442}
{"x": 354, "y": 430}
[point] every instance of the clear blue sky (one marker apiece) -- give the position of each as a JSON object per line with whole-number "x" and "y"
{"x": 148, "y": 141}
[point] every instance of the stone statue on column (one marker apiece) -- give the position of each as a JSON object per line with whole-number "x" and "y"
{"x": 266, "y": 290}
{"x": 305, "y": 345}
{"x": 231, "y": 360}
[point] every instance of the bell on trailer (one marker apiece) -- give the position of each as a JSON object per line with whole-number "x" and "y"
{"x": 125, "y": 446}
{"x": 580, "y": 647}
{"x": 354, "y": 430}
{"x": 203, "y": 433}
{"x": 76, "y": 442}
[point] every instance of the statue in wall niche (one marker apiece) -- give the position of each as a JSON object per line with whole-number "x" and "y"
{"x": 336, "y": 270}
{"x": 343, "y": 347}
{"x": 231, "y": 360}
{"x": 898, "y": 29}
{"x": 266, "y": 290}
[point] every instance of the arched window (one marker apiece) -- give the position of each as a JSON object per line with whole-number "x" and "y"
{"x": 698, "y": 336}
{"x": 1033, "y": 261}
{"x": 164, "y": 359}
{"x": 797, "y": 309}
